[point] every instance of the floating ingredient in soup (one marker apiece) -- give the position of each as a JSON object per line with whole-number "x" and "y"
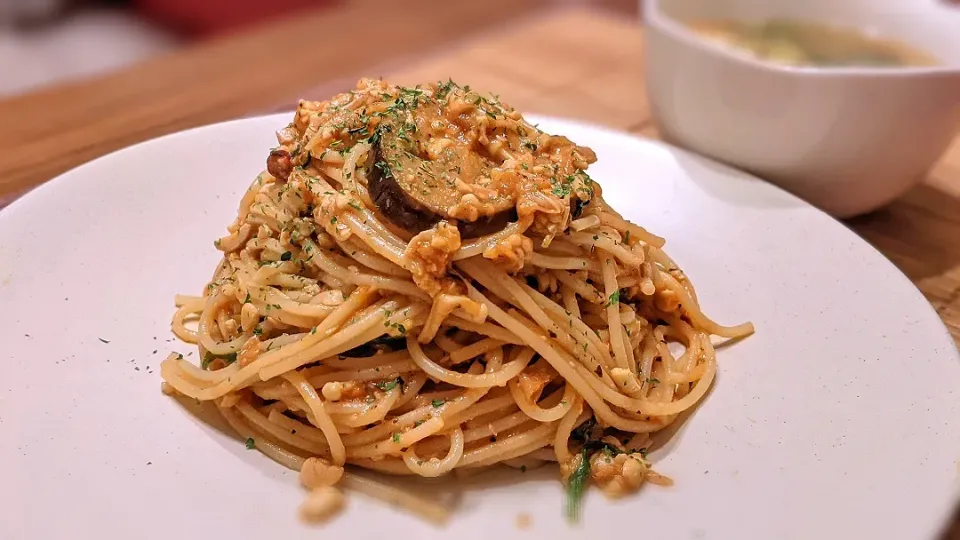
{"x": 809, "y": 44}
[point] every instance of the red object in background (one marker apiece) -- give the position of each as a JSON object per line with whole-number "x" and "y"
{"x": 206, "y": 17}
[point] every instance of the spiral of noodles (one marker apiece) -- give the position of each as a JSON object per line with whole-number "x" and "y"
{"x": 319, "y": 340}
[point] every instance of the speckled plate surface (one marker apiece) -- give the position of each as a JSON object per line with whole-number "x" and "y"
{"x": 840, "y": 418}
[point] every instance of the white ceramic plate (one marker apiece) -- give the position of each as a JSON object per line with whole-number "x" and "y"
{"x": 838, "y": 419}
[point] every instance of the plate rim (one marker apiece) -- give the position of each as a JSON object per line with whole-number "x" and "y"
{"x": 950, "y": 350}
{"x": 41, "y": 189}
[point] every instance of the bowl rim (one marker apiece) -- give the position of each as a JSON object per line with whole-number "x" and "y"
{"x": 654, "y": 17}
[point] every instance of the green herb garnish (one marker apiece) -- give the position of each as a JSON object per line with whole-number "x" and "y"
{"x": 387, "y": 386}
{"x": 577, "y": 485}
{"x": 438, "y": 403}
{"x": 251, "y": 444}
{"x": 614, "y": 298}
{"x": 210, "y": 357}
{"x": 286, "y": 256}
{"x": 561, "y": 188}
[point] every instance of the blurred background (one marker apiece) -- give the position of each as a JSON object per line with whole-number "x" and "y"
{"x": 43, "y": 42}
{"x": 87, "y": 77}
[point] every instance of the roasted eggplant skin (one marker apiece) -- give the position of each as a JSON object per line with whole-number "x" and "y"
{"x": 392, "y": 201}
{"x": 403, "y": 209}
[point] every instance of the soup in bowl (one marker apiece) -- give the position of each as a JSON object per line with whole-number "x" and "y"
{"x": 800, "y": 43}
{"x": 846, "y": 103}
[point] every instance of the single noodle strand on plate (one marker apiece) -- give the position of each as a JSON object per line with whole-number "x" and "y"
{"x": 420, "y": 283}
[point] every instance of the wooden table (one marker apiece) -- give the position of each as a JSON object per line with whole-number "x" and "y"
{"x": 570, "y": 61}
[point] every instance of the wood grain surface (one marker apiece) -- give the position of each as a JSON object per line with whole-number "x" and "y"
{"x": 578, "y": 62}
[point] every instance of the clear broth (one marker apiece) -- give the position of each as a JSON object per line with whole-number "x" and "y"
{"x": 809, "y": 44}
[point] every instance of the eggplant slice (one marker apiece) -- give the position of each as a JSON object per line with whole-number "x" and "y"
{"x": 415, "y": 192}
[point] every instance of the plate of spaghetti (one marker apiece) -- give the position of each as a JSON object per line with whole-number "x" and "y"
{"x": 416, "y": 311}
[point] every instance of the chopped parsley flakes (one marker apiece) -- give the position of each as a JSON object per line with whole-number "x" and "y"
{"x": 209, "y": 357}
{"x": 577, "y": 485}
{"x": 387, "y": 386}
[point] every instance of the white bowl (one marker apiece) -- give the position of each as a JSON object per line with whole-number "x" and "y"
{"x": 846, "y": 139}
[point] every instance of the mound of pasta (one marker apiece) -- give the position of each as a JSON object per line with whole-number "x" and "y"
{"x": 422, "y": 282}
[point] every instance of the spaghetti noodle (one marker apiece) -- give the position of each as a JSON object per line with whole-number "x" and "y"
{"x": 422, "y": 282}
